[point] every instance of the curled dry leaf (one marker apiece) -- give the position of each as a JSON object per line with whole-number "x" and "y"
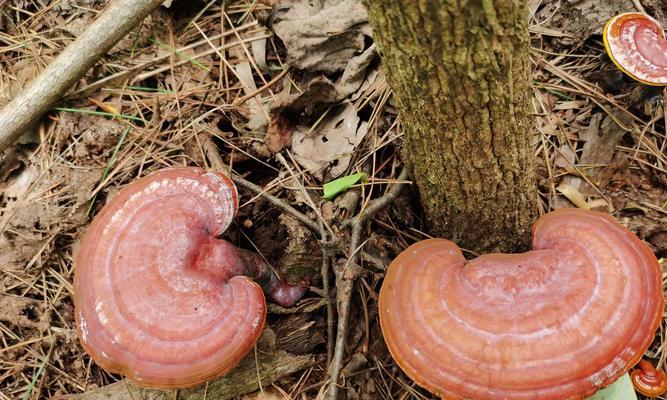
{"x": 307, "y": 32}
{"x": 288, "y": 107}
{"x": 316, "y": 90}
{"x": 358, "y": 73}
{"x": 320, "y": 89}
{"x": 323, "y": 39}
{"x": 578, "y": 199}
{"x": 326, "y": 150}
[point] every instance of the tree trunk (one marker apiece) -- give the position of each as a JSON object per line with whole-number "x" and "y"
{"x": 459, "y": 72}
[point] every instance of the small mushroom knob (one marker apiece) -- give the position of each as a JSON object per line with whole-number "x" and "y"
{"x": 647, "y": 380}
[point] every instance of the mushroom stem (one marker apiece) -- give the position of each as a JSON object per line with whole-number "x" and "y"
{"x": 223, "y": 260}
{"x": 647, "y": 380}
{"x": 274, "y": 286}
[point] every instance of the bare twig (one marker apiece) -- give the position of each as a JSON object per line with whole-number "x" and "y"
{"x": 327, "y": 297}
{"x": 278, "y": 203}
{"x": 345, "y": 279}
{"x": 49, "y": 86}
{"x": 306, "y": 196}
{"x": 264, "y": 87}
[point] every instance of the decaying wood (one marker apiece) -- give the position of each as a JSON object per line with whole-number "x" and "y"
{"x": 54, "y": 81}
{"x": 298, "y": 333}
{"x": 242, "y": 379}
{"x": 301, "y": 255}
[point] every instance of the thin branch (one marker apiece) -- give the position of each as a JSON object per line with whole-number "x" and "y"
{"x": 54, "y": 81}
{"x": 278, "y": 203}
{"x": 306, "y": 196}
{"x": 326, "y": 261}
{"x": 345, "y": 279}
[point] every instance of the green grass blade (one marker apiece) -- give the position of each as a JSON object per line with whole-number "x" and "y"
{"x": 337, "y": 186}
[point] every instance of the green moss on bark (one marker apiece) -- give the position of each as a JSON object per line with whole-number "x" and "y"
{"x": 459, "y": 71}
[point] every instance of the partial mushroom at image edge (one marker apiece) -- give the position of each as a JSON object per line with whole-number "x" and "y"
{"x": 562, "y": 320}
{"x": 636, "y": 44}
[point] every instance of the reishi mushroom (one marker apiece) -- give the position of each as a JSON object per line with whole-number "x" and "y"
{"x": 159, "y": 298}
{"x": 636, "y": 43}
{"x": 647, "y": 380}
{"x": 558, "y": 322}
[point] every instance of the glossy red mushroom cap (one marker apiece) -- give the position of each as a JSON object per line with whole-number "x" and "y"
{"x": 158, "y": 297}
{"x": 558, "y": 322}
{"x": 636, "y": 43}
{"x": 647, "y": 380}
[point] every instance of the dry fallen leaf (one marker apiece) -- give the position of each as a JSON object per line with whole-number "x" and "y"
{"x": 326, "y": 150}
{"x": 317, "y": 90}
{"x": 278, "y": 133}
{"x": 573, "y": 195}
{"x": 323, "y": 39}
{"x": 578, "y": 199}
{"x": 358, "y": 73}
{"x": 600, "y": 140}
{"x": 564, "y": 157}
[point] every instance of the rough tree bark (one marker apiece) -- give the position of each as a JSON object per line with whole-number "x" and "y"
{"x": 459, "y": 71}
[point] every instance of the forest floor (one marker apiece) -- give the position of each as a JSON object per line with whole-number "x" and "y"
{"x": 288, "y": 95}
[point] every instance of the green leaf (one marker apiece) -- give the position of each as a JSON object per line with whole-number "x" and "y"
{"x": 622, "y": 389}
{"x": 333, "y": 188}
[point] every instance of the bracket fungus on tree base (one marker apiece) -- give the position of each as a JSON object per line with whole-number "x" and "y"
{"x": 159, "y": 298}
{"x": 636, "y": 43}
{"x": 558, "y": 322}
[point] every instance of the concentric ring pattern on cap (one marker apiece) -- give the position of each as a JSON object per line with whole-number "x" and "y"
{"x": 636, "y": 43}
{"x": 141, "y": 309}
{"x": 558, "y": 322}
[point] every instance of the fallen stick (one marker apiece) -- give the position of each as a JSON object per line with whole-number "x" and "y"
{"x": 54, "y": 81}
{"x": 245, "y": 378}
